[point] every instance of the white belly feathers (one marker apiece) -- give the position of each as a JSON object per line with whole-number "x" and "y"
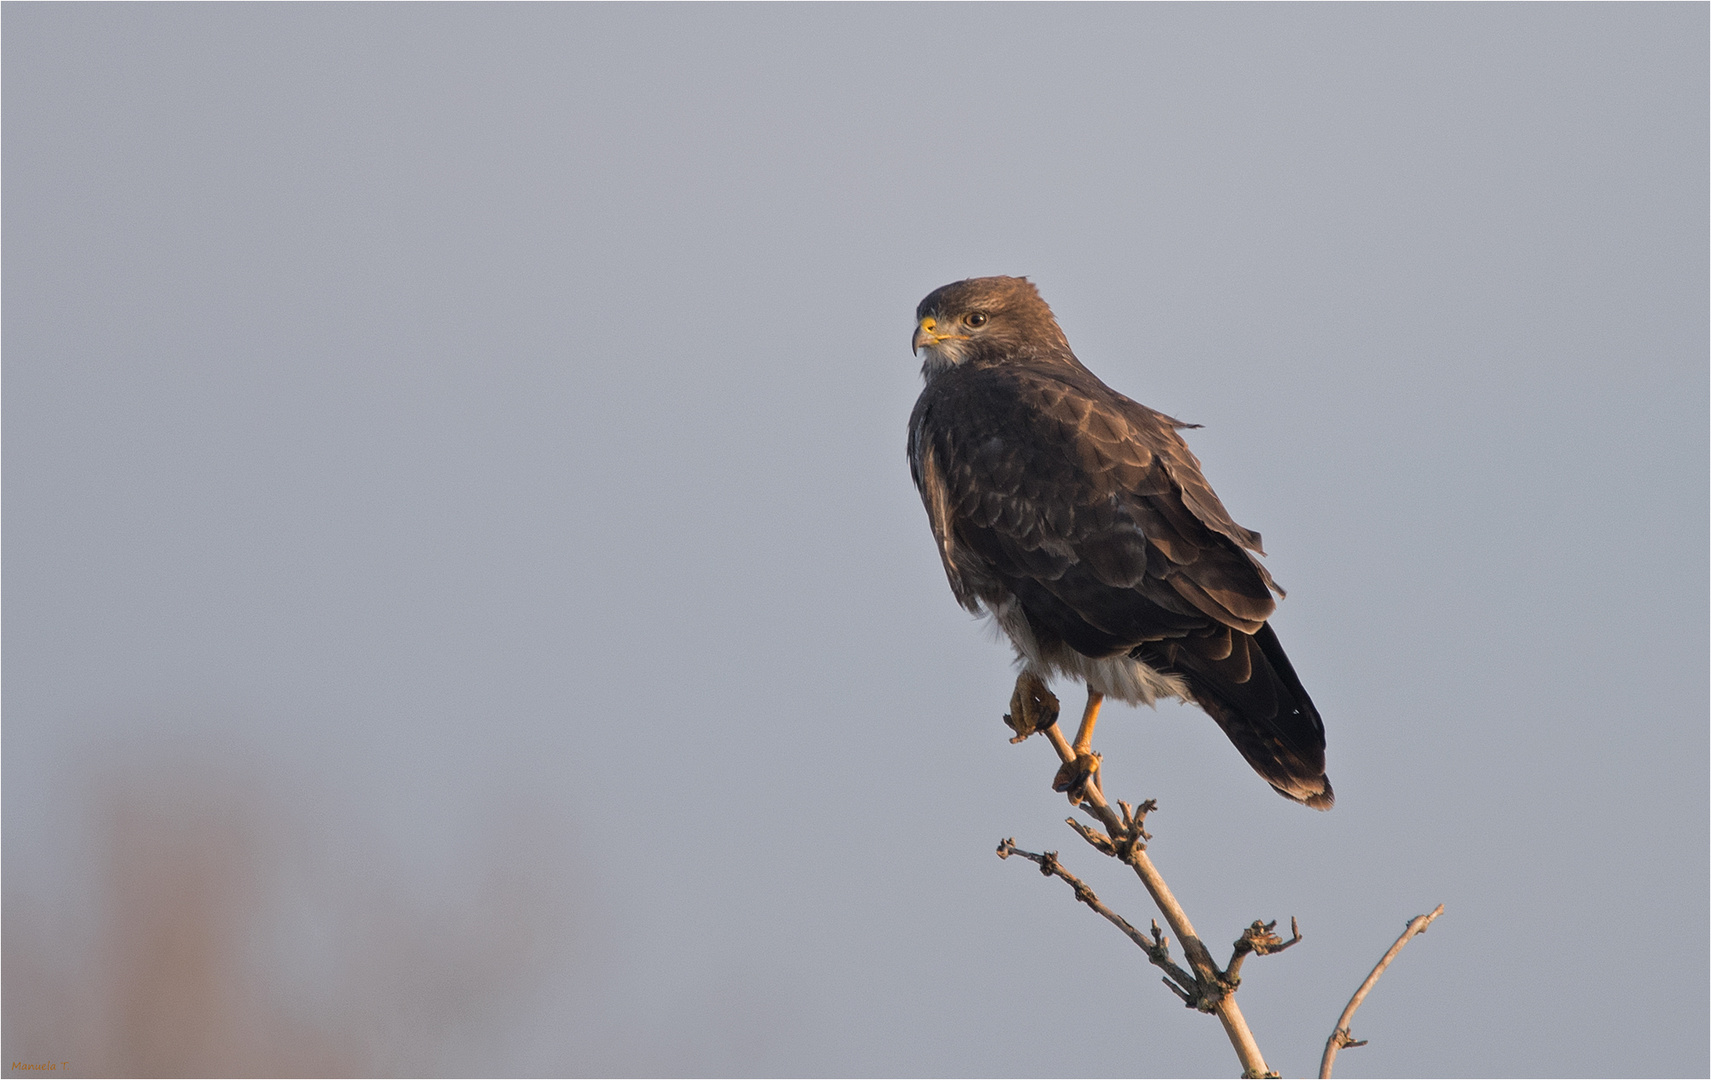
{"x": 1120, "y": 677}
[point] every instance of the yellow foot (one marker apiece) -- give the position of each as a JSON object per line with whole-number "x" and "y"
{"x": 1032, "y": 707}
{"x": 1076, "y": 778}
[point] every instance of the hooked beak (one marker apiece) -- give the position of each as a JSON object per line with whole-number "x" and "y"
{"x": 927, "y": 335}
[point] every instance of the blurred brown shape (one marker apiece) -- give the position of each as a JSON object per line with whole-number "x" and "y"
{"x": 185, "y": 887}
{"x": 222, "y": 941}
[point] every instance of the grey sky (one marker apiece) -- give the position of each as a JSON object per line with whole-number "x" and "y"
{"x": 466, "y": 443}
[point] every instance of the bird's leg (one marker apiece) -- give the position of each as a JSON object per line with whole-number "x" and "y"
{"x": 1032, "y": 708}
{"x": 1080, "y": 764}
{"x": 1089, "y": 716}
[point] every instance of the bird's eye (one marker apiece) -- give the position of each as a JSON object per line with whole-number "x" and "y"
{"x": 975, "y": 318}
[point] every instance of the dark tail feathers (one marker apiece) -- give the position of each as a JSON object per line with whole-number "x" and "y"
{"x": 1247, "y": 684}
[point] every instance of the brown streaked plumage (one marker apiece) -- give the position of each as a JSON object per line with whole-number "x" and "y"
{"x": 1080, "y": 521}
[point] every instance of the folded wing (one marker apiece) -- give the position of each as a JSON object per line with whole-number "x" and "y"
{"x": 1091, "y": 510}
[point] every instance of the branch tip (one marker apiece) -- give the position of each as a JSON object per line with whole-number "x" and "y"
{"x": 1340, "y": 1036}
{"x": 1099, "y": 840}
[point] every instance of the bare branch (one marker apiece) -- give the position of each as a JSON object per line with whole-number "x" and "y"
{"x": 1125, "y": 839}
{"x": 1342, "y": 1037}
{"x": 1187, "y": 999}
{"x": 1214, "y": 996}
{"x": 1157, "y": 947}
{"x": 1099, "y": 840}
{"x": 1258, "y": 938}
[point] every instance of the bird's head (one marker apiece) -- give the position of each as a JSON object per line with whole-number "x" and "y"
{"x": 989, "y": 318}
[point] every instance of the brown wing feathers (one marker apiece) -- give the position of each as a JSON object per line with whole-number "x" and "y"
{"x": 1090, "y": 509}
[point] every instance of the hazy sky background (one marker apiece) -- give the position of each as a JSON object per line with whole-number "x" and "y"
{"x": 466, "y": 608}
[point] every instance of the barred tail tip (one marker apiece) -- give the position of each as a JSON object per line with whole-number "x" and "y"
{"x": 1320, "y": 797}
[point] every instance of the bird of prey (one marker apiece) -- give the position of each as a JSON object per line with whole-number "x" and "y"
{"x": 1079, "y": 521}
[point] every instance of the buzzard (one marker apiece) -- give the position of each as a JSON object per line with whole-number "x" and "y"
{"x": 1079, "y": 521}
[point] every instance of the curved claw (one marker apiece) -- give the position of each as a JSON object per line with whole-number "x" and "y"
{"x": 1075, "y": 777}
{"x": 1033, "y": 708}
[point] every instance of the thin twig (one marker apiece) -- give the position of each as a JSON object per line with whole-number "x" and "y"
{"x": 1157, "y": 946}
{"x": 1342, "y": 1037}
{"x": 1259, "y": 938}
